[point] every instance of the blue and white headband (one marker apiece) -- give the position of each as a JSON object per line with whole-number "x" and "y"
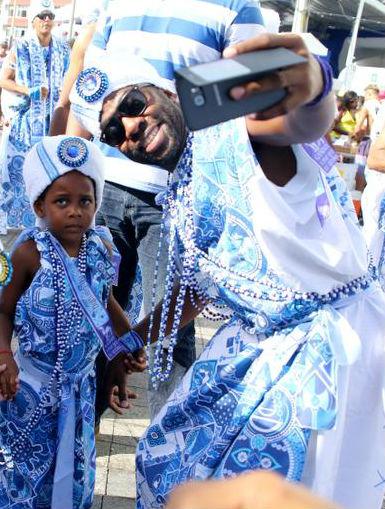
{"x": 55, "y": 156}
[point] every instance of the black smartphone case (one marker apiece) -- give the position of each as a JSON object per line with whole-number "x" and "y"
{"x": 203, "y": 89}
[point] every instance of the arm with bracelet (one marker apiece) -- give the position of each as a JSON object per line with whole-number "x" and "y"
{"x": 146, "y": 330}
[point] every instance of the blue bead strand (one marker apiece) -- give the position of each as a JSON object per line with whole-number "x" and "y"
{"x": 66, "y": 324}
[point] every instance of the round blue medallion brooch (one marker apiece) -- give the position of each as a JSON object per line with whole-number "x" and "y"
{"x": 72, "y": 152}
{"x": 91, "y": 84}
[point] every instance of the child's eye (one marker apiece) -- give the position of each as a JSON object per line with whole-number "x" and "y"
{"x": 86, "y": 201}
{"x": 61, "y": 201}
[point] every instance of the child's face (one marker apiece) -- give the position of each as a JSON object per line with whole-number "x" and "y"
{"x": 68, "y": 207}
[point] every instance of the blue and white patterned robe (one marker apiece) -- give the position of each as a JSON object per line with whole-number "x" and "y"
{"x": 35, "y": 66}
{"x": 286, "y": 368}
{"x": 60, "y": 449}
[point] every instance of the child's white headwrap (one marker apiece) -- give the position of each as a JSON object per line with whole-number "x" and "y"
{"x": 38, "y": 6}
{"x": 54, "y": 156}
{"x": 113, "y": 71}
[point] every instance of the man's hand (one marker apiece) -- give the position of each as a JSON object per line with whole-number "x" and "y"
{"x": 44, "y": 92}
{"x": 118, "y": 394}
{"x": 303, "y": 82}
{"x": 254, "y": 490}
{"x": 9, "y": 380}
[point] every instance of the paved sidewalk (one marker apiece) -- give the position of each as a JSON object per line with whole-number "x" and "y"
{"x": 119, "y": 435}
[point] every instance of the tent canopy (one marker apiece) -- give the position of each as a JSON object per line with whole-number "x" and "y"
{"x": 335, "y": 14}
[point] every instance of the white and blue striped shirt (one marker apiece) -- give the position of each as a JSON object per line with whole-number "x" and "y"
{"x": 171, "y": 34}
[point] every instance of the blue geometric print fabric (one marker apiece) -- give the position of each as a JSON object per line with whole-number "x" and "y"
{"x": 59, "y": 445}
{"x": 35, "y": 66}
{"x": 269, "y": 376}
{"x": 244, "y": 405}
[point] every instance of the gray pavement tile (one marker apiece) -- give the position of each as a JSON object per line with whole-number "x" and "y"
{"x": 138, "y": 380}
{"x": 104, "y": 438}
{"x": 118, "y": 503}
{"x": 141, "y": 392}
{"x": 98, "y": 501}
{"x": 121, "y": 481}
{"x": 106, "y": 425}
{"x": 121, "y": 457}
{"x": 125, "y": 440}
{"x": 136, "y": 412}
{"x": 101, "y": 479}
{"x": 137, "y": 427}
{"x": 103, "y": 450}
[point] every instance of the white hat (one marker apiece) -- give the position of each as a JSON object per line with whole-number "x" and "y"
{"x": 54, "y": 156}
{"x": 37, "y": 6}
{"x": 96, "y": 82}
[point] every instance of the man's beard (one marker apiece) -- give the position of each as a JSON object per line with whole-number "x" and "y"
{"x": 168, "y": 160}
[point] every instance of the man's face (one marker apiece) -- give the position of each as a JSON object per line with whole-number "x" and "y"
{"x": 155, "y": 136}
{"x": 43, "y": 23}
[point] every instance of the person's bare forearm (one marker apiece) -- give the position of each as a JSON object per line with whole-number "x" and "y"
{"x": 309, "y": 123}
{"x": 376, "y": 156}
{"x": 118, "y": 318}
{"x": 74, "y": 128}
{"x": 376, "y": 160}
{"x": 302, "y": 125}
{"x": 12, "y": 86}
{"x": 189, "y": 312}
{"x": 6, "y": 330}
{"x": 59, "y": 120}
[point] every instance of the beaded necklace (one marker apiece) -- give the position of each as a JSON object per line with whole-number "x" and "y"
{"x": 266, "y": 288}
{"x": 66, "y": 323}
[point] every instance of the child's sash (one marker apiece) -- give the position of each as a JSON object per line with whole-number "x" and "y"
{"x": 92, "y": 308}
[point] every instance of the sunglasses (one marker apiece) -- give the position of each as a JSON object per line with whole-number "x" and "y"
{"x": 133, "y": 104}
{"x": 44, "y": 15}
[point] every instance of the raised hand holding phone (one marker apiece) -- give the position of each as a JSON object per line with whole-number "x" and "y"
{"x": 204, "y": 89}
{"x": 303, "y": 82}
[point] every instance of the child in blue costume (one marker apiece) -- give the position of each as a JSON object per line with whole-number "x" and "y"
{"x": 47, "y": 444}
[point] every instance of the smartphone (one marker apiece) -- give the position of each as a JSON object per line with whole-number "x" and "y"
{"x": 203, "y": 89}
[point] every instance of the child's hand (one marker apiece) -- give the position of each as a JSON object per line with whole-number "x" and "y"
{"x": 116, "y": 385}
{"x": 9, "y": 381}
{"x": 136, "y": 362}
{"x": 118, "y": 398}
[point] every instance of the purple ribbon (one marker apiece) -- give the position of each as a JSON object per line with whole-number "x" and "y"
{"x": 324, "y": 156}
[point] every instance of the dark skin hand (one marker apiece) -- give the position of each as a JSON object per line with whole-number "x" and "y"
{"x": 115, "y": 380}
{"x": 303, "y": 82}
{"x": 120, "y": 366}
